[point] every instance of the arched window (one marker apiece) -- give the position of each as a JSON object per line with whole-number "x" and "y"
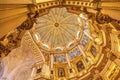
{"x": 86, "y": 26}
{"x": 59, "y": 49}
{"x": 45, "y": 46}
{"x": 72, "y": 55}
{"x": 63, "y": 58}
{"x": 86, "y": 37}
{"x": 78, "y": 34}
{"x": 80, "y": 66}
{"x": 70, "y": 44}
{"x": 56, "y": 58}
{"x": 77, "y": 51}
{"x": 84, "y": 43}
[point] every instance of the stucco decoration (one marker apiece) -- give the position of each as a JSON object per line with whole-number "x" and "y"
{"x": 18, "y": 64}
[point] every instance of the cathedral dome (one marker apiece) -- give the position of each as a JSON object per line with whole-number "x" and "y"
{"x": 60, "y": 30}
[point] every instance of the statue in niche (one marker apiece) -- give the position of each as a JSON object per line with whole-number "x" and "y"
{"x": 93, "y": 50}
{"x": 80, "y": 66}
{"x": 61, "y": 72}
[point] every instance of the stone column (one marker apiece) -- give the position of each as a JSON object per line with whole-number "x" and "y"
{"x": 81, "y": 50}
{"x": 67, "y": 57}
{"x": 33, "y": 72}
{"x": 11, "y": 17}
{"x": 52, "y": 60}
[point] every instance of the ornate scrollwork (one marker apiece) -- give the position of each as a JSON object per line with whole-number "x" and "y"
{"x": 14, "y": 38}
{"x": 13, "y": 41}
{"x": 102, "y": 18}
{"x": 95, "y": 1}
{"x": 112, "y": 56}
{"x": 27, "y": 25}
{"x": 61, "y": 2}
{"x": 4, "y": 49}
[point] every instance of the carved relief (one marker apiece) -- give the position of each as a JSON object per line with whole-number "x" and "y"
{"x": 11, "y": 41}
{"x": 61, "y": 72}
{"x": 97, "y": 75}
{"x": 14, "y": 37}
{"x": 61, "y": 2}
{"x": 3, "y": 50}
{"x": 27, "y": 25}
{"x": 102, "y": 18}
{"x": 93, "y": 51}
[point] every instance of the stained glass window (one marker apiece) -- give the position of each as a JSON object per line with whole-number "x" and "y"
{"x": 86, "y": 26}
{"x": 84, "y": 43}
{"x": 86, "y": 37}
{"x": 71, "y": 44}
{"x": 59, "y": 58}
{"x": 77, "y": 51}
{"x": 56, "y": 58}
{"x": 63, "y": 58}
{"x": 58, "y": 49}
{"x": 72, "y": 55}
{"x": 78, "y": 34}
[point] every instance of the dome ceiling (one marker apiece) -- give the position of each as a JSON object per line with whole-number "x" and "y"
{"x": 60, "y": 40}
{"x": 58, "y": 29}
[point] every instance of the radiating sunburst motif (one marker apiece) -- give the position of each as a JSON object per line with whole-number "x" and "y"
{"x": 58, "y": 28}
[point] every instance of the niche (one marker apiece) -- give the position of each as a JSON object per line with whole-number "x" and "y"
{"x": 39, "y": 70}
{"x": 61, "y": 72}
{"x": 80, "y": 66}
{"x": 93, "y": 51}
